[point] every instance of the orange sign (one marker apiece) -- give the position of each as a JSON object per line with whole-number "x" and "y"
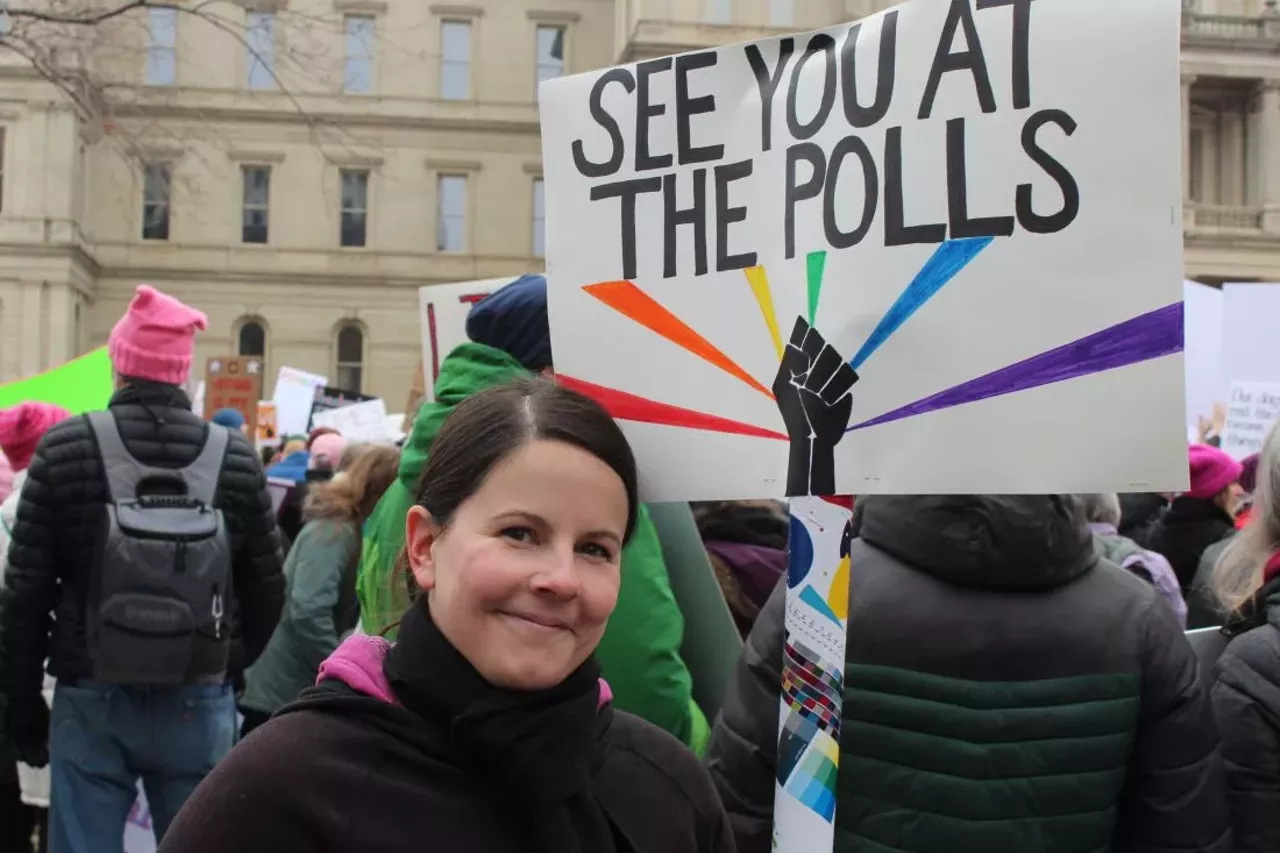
{"x": 234, "y": 382}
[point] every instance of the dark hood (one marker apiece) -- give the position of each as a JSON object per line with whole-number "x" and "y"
{"x": 1007, "y": 542}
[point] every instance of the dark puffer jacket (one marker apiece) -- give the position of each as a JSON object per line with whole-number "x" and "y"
{"x": 58, "y": 515}
{"x": 1006, "y": 691}
{"x": 1184, "y": 532}
{"x": 1246, "y": 702}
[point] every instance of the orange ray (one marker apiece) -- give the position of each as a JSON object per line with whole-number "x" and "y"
{"x": 632, "y": 302}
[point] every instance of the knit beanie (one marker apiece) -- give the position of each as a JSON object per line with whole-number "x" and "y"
{"x": 326, "y": 450}
{"x": 1249, "y": 473}
{"x": 22, "y": 427}
{"x": 514, "y": 320}
{"x": 229, "y": 418}
{"x": 155, "y": 338}
{"x": 316, "y": 433}
{"x": 1211, "y": 471}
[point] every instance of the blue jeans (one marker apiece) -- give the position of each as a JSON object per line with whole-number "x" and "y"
{"x": 103, "y": 738}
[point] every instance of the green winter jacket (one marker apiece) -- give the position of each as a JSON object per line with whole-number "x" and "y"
{"x": 319, "y": 593}
{"x": 640, "y": 651}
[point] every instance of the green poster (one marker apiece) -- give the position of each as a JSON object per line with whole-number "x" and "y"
{"x": 81, "y": 385}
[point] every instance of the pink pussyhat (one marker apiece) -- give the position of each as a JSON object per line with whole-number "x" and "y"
{"x": 155, "y": 338}
{"x": 22, "y": 427}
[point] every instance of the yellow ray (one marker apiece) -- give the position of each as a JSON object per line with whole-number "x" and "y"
{"x": 759, "y": 282}
{"x": 838, "y": 597}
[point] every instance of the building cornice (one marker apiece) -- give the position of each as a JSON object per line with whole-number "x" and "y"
{"x": 320, "y": 120}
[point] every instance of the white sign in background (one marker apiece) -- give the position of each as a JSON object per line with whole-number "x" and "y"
{"x": 365, "y": 421}
{"x": 294, "y": 394}
{"x": 1252, "y": 410}
{"x": 1250, "y": 344}
{"x": 443, "y": 310}
{"x": 770, "y": 172}
{"x": 1203, "y": 356}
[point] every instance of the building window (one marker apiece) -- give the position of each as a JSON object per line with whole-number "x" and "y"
{"x": 350, "y": 358}
{"x": 253, "y": 339}
{"x": 550, "y": 48}
{"x": 1195, "y": 180}
{"x": 719, "y": 11}
{"x": 162, "y": 42}
{"x": 455, "y": 60}
{"x": 355, "y": 207}
{"x": 451, "y": 213}
{"x": 359, "y": 74}
{"x": 155, "y": 201}
{"x": 782, "y": 13}
{"x": 539, "y": 218}
{"x": 257, "y": 196}
{"x": 262, "y": 50}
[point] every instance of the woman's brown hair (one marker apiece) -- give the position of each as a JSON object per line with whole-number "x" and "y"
{"x": 366, "y": 472}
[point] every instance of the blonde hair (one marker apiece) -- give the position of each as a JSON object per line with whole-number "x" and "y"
{"x": 1238, "y": 573}
{"x": 367, "y": 471}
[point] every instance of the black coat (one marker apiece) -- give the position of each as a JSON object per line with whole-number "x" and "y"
{"x": 1246, "y": 702}
{"x": 1183, "y": 533}
{"x": 53, "y": 548}
{"x": 1005, "y": 691}
{"x": 340, "y": 772}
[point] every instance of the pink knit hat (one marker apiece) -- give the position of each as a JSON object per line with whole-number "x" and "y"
{"x": 1211, "y": 471}
{"x": 22, "y": 427}
{"x": 327, "y": 447}
{"x": 155, "y": 338}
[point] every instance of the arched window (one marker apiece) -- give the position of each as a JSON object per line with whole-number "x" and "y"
{"x": 253, "y": 338}
{"x": 350, "y": 358}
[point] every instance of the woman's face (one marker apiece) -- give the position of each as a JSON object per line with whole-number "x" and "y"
{"x": 525, "y": 576}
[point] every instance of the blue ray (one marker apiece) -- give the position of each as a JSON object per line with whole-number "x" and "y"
{"x": 951, "y": 257}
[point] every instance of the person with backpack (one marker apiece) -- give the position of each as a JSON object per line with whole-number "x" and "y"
{"x": 146, "y": 567}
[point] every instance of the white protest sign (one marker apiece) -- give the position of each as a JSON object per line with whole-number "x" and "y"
{"x": 443, "y": 309}
{"x": 1203, "y": 330}
{"x": 365, "y": 421}
{"x": 1252, "y": 410}
{"x": 1250, "y": 345}
{"x": 294, "y": 394}
{"x": 929, "y": 253}
{"x": 994, "y": 250}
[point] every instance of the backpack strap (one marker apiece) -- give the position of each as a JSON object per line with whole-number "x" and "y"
{"x": 124, "y": 472}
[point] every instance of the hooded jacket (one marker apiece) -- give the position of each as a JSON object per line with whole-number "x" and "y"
{"x": 640, "y": 651}
{"x": 348, "y": 768}
{"x": 1246, "y": 702}
{"x": 1005, "y": 691}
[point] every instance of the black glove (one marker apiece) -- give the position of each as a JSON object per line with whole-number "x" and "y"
{"x": 28, "y": 725}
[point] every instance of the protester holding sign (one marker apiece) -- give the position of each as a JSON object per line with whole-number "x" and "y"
{"x": 640, "y": 652}
{"x": 1246, "y": 689}
{"x": 1004, "y": 688}
{"x": 487, "y": 726}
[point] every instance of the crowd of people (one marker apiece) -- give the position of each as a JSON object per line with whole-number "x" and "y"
{"x": 473, "y": 640}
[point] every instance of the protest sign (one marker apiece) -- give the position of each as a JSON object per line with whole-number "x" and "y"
{"x": 982, "y": 228}
{"x": 1250, "y": 345}
{"x": 1206, "y": 388}
{"x": 443, "y": 309}
{"x": 80, "y": 385}
{"x": 233, "y": 382}
{"x": 295, "y": 393}
{"x": 268, "y": 433}
{"x": 365, "y": 421}
{"x": 327, "y": 397}
{"x": 1252, "y": 409}
{"x": 927, "y": 253}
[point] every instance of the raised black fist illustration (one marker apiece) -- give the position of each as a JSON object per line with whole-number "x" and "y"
{"x": 813, "y": 393}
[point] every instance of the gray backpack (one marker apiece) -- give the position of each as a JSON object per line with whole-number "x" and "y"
{"x": 161, "y": 580}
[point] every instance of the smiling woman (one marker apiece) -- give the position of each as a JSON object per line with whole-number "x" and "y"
{"x": 487, "y": 725}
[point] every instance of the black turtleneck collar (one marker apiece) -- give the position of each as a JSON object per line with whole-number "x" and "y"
{"x": 141, "y": 392}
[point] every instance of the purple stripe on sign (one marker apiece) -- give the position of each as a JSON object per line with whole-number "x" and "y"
{"x": 1143, "y": 338}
